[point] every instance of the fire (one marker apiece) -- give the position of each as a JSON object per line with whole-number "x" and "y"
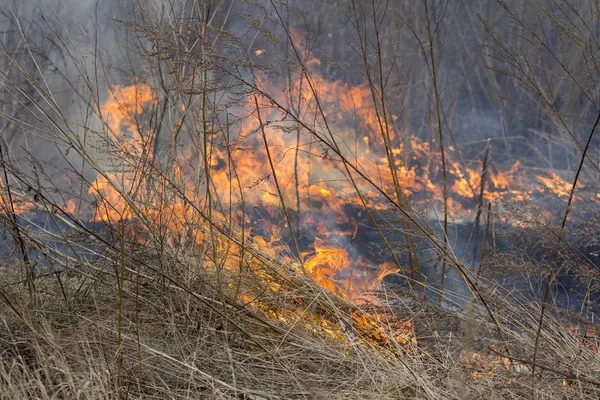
{"x": 224, "y": 178}
{"x": 112, "y": 206}
{"x": 309, "y": 182}
{"x": 120, "y": 114}
{"x": 333, "y": 270}
{"x": 505, "y": 179}
{"x": 491, "y": 366}
{"x": 586, "y": 337}
{"x": 330, "y": 265}
{"x": 124, "y": 105}
{"x": 19, "y": 204}
{"x": 555, "y": 185}
{"x": 465, "y": 185}
{"x": 71, "y": 206}
{"x": 318, "y": 181}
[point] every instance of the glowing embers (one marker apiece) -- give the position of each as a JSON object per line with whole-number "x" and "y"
{"x": 377, "y": 327}
{"x": 492, "y": 366}
{"x": 283, "y": 296}
{"x": 384, "y": 328}
{"x": 586, "y": 337}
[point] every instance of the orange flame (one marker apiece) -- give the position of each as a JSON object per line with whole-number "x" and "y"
{"x": 309, "y": 176}
{"x": 333, "y": 270}
{"x": 556, "y": 185}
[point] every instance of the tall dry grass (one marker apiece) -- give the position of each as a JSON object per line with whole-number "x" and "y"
{"x": 173, "y": 297}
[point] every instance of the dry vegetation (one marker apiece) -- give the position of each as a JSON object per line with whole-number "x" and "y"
{"x": 279, "y": 200}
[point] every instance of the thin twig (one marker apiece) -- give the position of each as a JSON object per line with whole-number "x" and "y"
{"x": 551, "y": 272}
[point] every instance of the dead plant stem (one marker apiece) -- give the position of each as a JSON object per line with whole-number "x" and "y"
{"x": 438, "y": 108}
{"x": 551, "y": 271}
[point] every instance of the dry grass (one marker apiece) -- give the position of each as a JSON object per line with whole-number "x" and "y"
{"x": 281, "y": 337}
{"x": 185, "y": 285}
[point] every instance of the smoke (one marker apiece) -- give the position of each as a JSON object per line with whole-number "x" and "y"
{"x": 58, "y": 60}
{"x": 74, "y": 53}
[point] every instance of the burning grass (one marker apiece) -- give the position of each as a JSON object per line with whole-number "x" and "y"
{"x": 172, "y": 326}
{"x": 176, "y": 299}
{"x": 271, "y": 234}
{"x": 271, "y": 333}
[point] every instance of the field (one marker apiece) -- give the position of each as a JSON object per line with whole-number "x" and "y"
{"x": 230, "y": 199}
